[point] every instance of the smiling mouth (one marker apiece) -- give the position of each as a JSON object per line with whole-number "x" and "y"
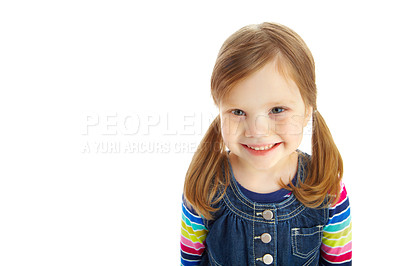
{"x": 261, "y": 148}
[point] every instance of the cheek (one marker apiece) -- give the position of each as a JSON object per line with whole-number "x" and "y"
{"x": 230, "y": 127}
{"x": 290, "y": 126}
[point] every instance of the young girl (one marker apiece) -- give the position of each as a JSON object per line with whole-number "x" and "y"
{"x": 250, "y": 196}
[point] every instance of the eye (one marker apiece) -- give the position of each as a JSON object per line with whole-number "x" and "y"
{"x": 238, "y": 112}
{"x": 277, "y": 110}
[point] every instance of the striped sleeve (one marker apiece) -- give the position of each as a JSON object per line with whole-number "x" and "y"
{"x": 193, "y": 234}
{"x": 336, "y": 248}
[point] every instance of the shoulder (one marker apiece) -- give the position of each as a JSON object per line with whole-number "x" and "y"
{"x": 340, "y": 211}
{"x": 188, "y": 210}
{"x": 343, "y": 197}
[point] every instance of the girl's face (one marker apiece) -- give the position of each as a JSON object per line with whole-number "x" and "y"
{"x": 262, "y": 119}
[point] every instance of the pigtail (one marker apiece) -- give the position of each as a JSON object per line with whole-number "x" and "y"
{"x": 208, "y": 170}
{"x": 325, "y": 169}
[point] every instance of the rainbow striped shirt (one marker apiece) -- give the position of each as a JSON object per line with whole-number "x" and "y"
{"x": 336, "y": 247}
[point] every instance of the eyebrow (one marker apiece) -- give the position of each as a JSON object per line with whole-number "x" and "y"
{"x": 274, "y": 103}
{"x": 281, "y": 102}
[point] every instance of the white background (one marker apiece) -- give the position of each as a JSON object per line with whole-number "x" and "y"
{"x": 76, "y": 74}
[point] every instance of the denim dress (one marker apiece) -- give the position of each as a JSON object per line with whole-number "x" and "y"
{"x": 249, "y": 233}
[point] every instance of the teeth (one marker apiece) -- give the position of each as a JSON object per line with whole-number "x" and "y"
{"x": 261, "y": 148}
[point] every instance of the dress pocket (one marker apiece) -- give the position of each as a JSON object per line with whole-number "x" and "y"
{"x": 306, "y": 241}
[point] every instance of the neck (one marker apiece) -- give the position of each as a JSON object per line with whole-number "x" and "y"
{"x": 264, "y": 180}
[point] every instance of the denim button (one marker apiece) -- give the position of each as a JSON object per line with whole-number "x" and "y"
{"x": 268, "y": 259}
{"x": 268, "y": 215}
{"x": 266, "y": 238}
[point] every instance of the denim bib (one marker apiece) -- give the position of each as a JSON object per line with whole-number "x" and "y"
{"x": 249, "y": 233}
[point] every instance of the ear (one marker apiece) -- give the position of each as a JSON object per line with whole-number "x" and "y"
{"x": 308, "y": 114}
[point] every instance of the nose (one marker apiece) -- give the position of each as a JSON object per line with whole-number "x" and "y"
{"x": 258, "y": 126}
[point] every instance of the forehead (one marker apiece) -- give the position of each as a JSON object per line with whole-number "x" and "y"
{"x": 267, "y": 85}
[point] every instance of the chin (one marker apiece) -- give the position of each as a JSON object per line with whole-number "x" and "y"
{"x": 264, "y": 165}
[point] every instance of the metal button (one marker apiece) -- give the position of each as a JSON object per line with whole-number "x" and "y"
{"x": 266, "y": 238}
{"x": 268, "y": 215}
{"x": 268, "y": 259}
